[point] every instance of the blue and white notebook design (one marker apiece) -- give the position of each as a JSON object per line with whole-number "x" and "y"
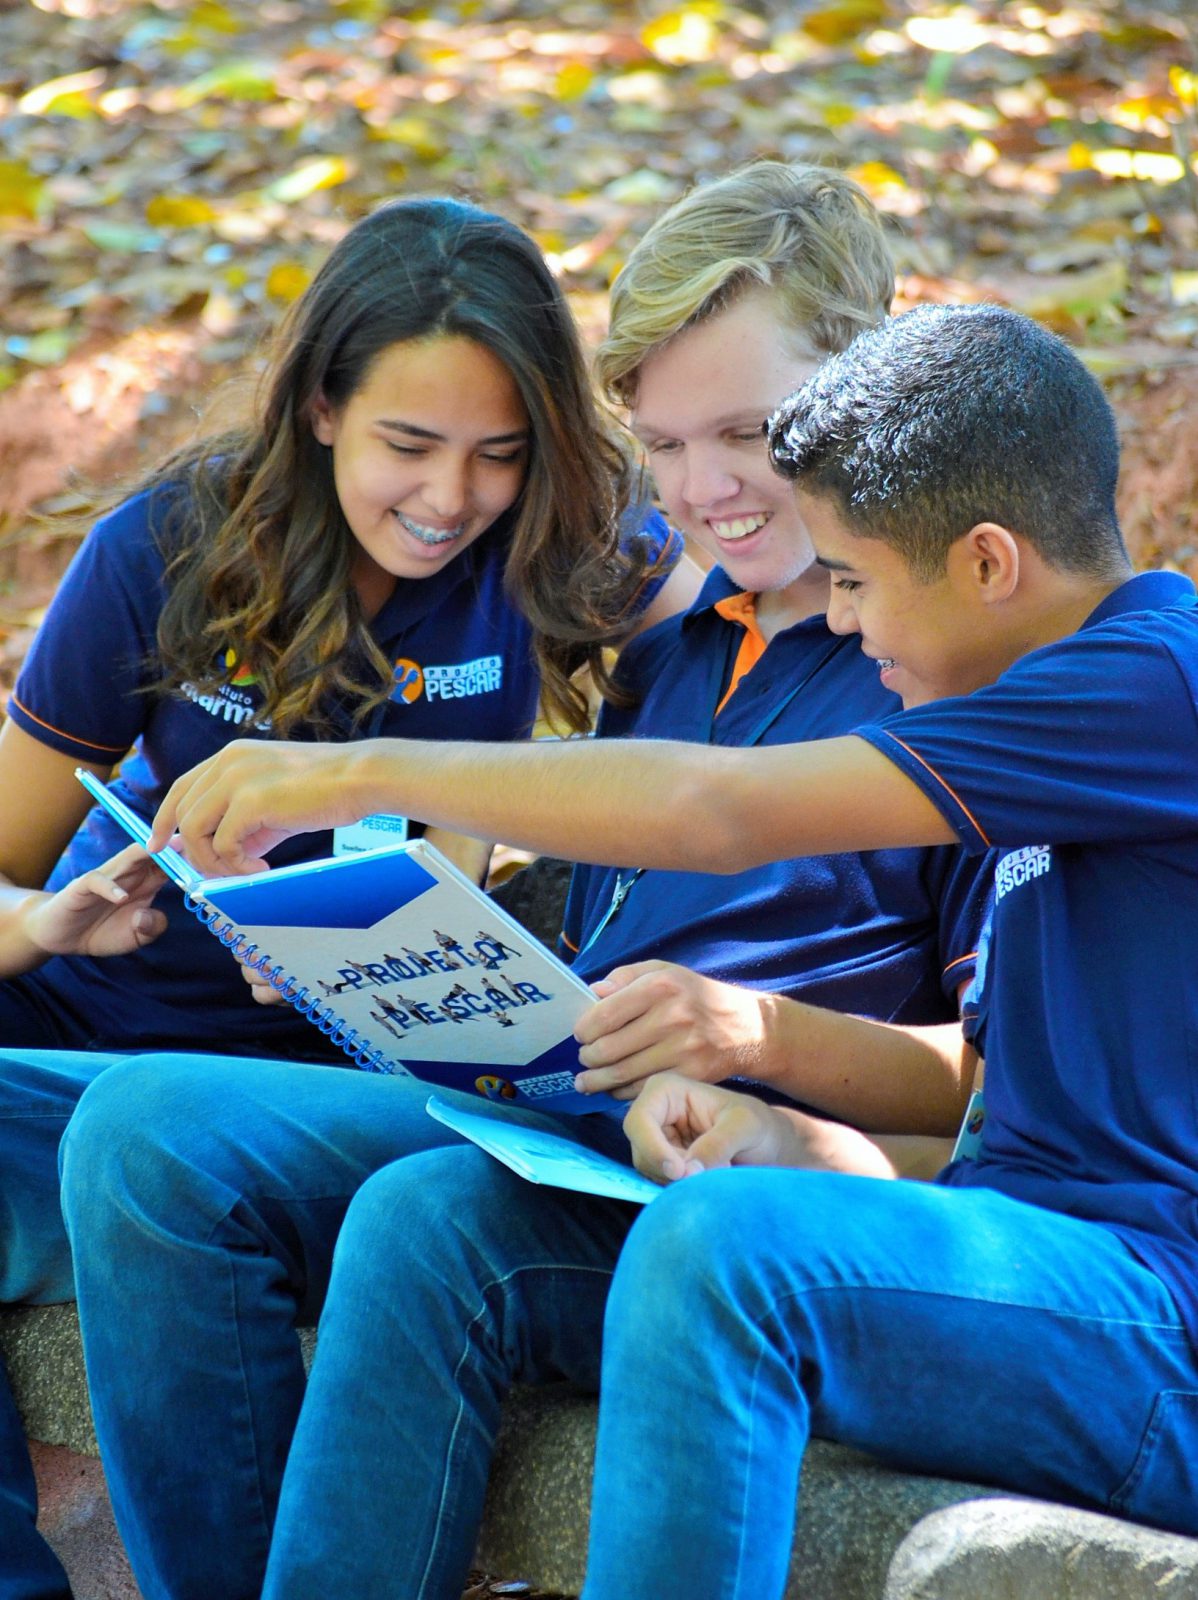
{"x": 403, "y": 962}
{"x": 544, "y": 1157}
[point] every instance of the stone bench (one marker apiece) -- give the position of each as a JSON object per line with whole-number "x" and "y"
{"x": 866, "y": 1533}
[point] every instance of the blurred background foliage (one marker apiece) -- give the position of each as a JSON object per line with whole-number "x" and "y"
{"x": 170, "y": 174}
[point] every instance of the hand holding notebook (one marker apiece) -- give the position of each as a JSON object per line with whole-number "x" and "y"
{"x": 403, "y": 962}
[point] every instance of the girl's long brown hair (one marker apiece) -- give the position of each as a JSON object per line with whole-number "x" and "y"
{"x": 259, "y": 552}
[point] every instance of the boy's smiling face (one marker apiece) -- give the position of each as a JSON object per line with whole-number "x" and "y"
{"x": 701, "y": 400}
{"x": 931, "y": 640}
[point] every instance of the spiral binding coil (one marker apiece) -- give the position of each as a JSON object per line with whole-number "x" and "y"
{"x": 365, "y": 1055}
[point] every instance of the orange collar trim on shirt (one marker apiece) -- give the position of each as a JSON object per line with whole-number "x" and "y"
{"x": 742, "y": 608}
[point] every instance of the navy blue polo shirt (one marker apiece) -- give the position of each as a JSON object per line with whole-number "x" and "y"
{"x": 1081, "y": 764}
{"x": 888, "y": 934}
{"x": 464, "y": 669}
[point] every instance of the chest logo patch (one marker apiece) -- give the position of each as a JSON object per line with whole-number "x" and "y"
{"x": 409, "y": 681}
{"x": 237, "y": 701}
{"x": 1018, "y": 867}
{"x": 243, "y": 677}
{"x": 460, "y": 680}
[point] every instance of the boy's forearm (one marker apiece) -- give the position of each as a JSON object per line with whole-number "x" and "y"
{"x": 879, "y": 1076}
{"x": 676, "y": 806}
{"x": 655, "y": 803}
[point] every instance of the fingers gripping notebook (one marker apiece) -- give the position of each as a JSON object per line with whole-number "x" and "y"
{"x": 403, "y": 962}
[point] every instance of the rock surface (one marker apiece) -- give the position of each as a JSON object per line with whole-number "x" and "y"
{"x": 1009, "y": 1549}
{"x": 948, "y": 1541}
{"x": 854, "y": 1511}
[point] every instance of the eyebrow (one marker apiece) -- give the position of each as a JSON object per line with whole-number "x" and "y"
{"x": 395, "y": 426}
{"x": 747, "y": 417}
{"x": 833, "y": 566}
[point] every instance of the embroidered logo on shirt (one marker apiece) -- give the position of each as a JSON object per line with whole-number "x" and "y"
{"x": 409, "y": 681}
{"x": 229, "y": 704}
{"x": 237, "y": 701}
{"x": 1018, "y": 867}
{"x": 463, "y": 679}
{"x": 243, "y": 677}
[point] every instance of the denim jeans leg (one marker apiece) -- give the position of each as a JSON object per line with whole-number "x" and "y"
{"x": 38, "y": 1092}
{"x": 29, "y": 1569}
{"x": 203, "y": 1196}
{"x": 951, "y": 1332}
{"x": 453, "y": 1279}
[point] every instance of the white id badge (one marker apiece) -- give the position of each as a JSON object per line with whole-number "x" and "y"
{"x": 969, "y": 1140}
{"x": 371, "y": 833}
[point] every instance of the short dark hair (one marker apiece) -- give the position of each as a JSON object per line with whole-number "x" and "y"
{"x": 947, "y": 416}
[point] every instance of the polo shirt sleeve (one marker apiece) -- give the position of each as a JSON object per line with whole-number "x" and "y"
{"x": 646, "y": 527}
{"x": 962, "y": 889}
{"x": 1081, "y": 742}
{"x": 80, "y": 687}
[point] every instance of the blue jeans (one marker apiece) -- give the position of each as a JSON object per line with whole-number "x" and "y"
{"x": 38, "y": 1092}
{"x": 954, "y": 1332}
{"x": 950, "y": 1332}
{"x": 203, "y": 1197}
{"x": 453, "y": 1279}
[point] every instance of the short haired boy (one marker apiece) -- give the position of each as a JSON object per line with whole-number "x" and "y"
{"x": 1030, "y": 1319}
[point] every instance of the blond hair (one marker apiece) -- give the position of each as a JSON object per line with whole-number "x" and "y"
{"x": 806, "y": 234}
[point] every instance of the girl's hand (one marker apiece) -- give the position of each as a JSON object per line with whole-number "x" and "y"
{"x": 655, "y": 1016}
{"x": 106, "y": 912}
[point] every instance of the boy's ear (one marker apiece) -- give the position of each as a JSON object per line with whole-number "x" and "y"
{"x": 321, "y": 418}
{"x": 992, "y": 553}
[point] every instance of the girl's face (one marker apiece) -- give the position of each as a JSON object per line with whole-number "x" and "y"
{"x": 427, "y": 453}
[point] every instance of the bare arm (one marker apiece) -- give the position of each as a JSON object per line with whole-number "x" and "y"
{"x": 583, "y": 800}
{"x": 678, "y": 1127}
{"x": 655, "y": 1016}
{"x": 104, "y": 912}
{"x": 41, "y": 805}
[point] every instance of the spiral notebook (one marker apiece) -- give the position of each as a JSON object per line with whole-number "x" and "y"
{"x": 404, "y": 963}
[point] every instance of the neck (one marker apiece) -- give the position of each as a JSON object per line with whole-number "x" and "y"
{"x": 806, "y": 597}
{"x": 374, "y": 586}
{"x": 1056, "y": 607}
{"x": 1070, "y": 603}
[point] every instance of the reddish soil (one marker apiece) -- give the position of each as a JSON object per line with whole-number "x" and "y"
{"x": 113, "y": 407}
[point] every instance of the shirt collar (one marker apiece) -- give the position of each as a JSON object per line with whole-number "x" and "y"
{"x": 1147, "y": 591}
{"x": 719, "y": 586}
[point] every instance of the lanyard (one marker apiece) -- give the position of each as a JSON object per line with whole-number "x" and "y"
{"x": 760, "y": 728}
{"x": 618, "y": 896}
{"x": 625, "y": 882}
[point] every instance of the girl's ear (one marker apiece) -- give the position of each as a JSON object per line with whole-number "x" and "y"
{"x": 321, "y": 417}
